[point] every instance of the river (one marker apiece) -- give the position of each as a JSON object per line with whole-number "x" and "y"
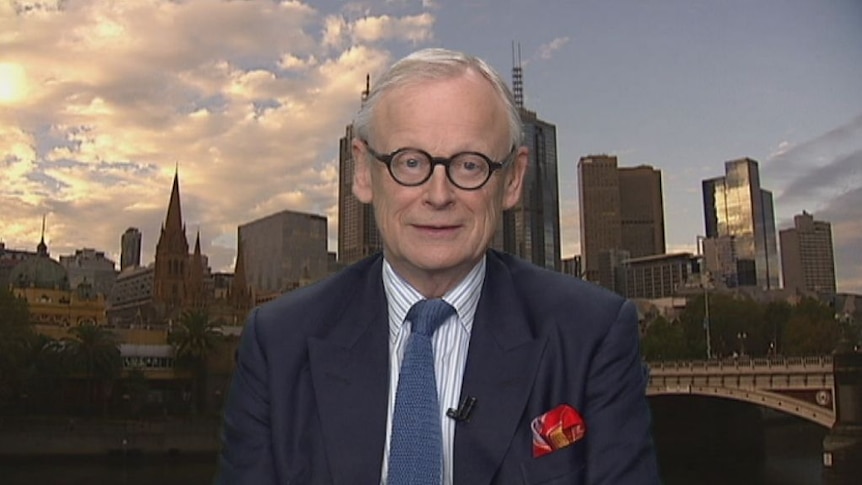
{"x": 793, "y": 456}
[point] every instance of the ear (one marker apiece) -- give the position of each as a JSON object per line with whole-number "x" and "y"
{"x": 514, "y": 178}
{"x": 361, "y": 172}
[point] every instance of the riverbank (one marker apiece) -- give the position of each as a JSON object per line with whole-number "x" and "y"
{"x": 77, "y": 437}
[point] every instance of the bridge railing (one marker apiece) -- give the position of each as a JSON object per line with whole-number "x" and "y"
{"x": 743, "y": 364}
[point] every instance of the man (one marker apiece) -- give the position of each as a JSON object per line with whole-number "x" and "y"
{"x": 538, "y": 376}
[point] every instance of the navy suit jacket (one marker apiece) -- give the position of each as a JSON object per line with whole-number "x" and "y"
{"x": 308, "y": 399}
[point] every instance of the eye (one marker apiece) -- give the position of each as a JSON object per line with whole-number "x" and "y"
{"x": 410, "y": 161}
{"x": 470, "y": 164}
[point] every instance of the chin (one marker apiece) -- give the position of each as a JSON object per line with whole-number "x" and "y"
{"x": 444, "y": 263}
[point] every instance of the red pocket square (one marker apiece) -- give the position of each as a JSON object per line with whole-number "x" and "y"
{"x": 557, "y": 429}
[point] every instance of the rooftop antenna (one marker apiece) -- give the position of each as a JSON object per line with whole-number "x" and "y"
{"x": 367, "y": 88}
{"x": 517, "y": 77}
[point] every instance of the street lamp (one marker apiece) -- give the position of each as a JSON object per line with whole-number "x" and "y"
{"x": 741, "y": 336}
{"x": 704, "y": 283}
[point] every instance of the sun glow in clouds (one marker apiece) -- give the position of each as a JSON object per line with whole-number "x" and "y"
{"x": 13, "y": 82}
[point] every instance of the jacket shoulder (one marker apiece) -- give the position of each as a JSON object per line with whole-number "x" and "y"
{"x": 544, "y": 285}
{"x": 309, "y": 309}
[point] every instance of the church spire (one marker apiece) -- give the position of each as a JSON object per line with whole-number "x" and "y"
{"x": 196, "y": 289}
{"x": 240, "y": 293}
{"x": 170, "y": 284}
{"x": 174, "y": 219}
{"x": 42, "y": 248}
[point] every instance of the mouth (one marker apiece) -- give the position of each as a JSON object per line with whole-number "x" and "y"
{"x": 436, "y": 230}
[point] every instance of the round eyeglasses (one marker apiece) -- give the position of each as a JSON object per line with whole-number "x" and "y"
{"x": 466, "y": 170}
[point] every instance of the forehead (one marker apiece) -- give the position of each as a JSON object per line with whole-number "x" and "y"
{"x": 458, "y": 109}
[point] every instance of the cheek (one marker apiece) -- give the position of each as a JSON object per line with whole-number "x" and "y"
{"x": 489, "y": 207}
{"x": 389, "y": 207}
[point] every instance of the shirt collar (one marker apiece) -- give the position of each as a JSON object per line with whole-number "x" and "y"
{"x": 401, "y": 295}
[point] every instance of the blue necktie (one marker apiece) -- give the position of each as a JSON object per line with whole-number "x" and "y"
{"x": 415, "y": 451}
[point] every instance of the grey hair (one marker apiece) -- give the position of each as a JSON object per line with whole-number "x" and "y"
{"x": 436, "y": 64}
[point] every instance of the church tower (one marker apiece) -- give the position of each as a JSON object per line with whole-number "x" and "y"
{"x": 196, "y": 290}
{"x": 170, "y": 291}
{"x": 240, "y": 292}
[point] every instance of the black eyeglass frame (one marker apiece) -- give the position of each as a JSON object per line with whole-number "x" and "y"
{"x": 445, "y": 161}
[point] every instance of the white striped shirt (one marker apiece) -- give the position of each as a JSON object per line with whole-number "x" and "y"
{"x": 450, "y": 344}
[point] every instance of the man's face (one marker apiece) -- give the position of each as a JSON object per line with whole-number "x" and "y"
{"x": 436, "y": 231}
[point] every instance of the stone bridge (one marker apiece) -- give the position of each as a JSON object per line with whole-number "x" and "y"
{"x": 801, "y": 386}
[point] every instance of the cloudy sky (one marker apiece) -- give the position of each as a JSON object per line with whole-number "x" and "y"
{"x": 100, "y": 101}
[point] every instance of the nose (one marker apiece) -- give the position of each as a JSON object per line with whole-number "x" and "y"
{"x": 439, "y": 190}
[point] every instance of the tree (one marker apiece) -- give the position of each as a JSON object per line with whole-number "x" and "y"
{"x": 666, "y": 340}
{"x": 776, "y": 315}
{"x": 812, "y": 329}
{"x": 194, "y": 339}
{"x": 16, "y": 337}
{"x": 46, "y": 370}
{"x": 93, "y": 351}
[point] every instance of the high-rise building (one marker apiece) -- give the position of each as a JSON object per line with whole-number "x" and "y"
{"x": 641, "y": 211}
{"x": 531, "y": 229}
{"x": 534, "y": 224}
{"x": 807, "y": 260}
{"x": 621, "y": 212}
{"x": 738, "y": 209}
{"x": 283, "y": 251}
{"x": 357, "y": 231}
{"x": 599, "y": 197}
{"x": 130, "y": 248}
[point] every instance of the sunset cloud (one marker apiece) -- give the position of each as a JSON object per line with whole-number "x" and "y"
{"x": 102, "y": 101}
{"x": 136, "y": 89}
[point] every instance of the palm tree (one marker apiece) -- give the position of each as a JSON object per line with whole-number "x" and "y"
{"x": 93, "y": 350}
{"x": 193, "y": 339}
{"x": 46, "y": 372}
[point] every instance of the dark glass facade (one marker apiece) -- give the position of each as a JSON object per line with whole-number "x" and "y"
{"x": 736, "y": 206}
{"x": 532, "y": 229}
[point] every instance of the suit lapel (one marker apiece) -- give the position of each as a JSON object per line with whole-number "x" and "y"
{"x": 501, "y": 366}
{"x": 350, "y": 373}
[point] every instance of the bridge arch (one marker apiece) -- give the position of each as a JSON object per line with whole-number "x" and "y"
{"x": 811, "y": 412}
{"x": 799, "y": 386}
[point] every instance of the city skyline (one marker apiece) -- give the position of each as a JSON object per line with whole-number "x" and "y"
{"x": 100, "y": 103}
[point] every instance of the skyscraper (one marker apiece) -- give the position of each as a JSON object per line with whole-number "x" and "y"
{"x": 531, "y": 229}
{"x": 737, "y": 209}
{"x": 130, "y": 248}
{"x": 601, "y": 224}
{"x": 622, "y": 215}
{"x": 807, "y": 259}
{"x": 641, "y": 211}
{"x": 357, "y": 232}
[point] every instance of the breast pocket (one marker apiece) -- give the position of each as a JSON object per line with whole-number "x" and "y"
{"x": 563, "y": 466}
